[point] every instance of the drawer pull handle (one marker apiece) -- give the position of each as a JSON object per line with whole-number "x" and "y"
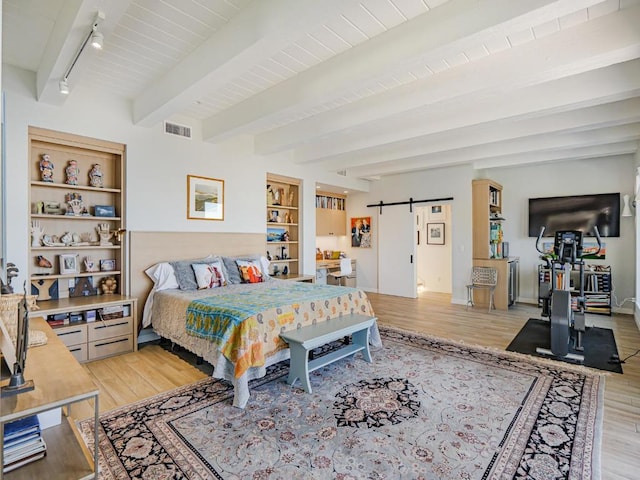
{"x": 114, "y": 341}
{"x": 111, "y": 325}
{"x": 69, "y": 333}
{"x": 75, "y": 349}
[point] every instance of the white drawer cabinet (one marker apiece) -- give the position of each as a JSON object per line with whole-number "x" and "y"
{"x": 100, "y": 338}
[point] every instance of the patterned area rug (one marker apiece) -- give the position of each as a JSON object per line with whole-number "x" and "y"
{"x": 425, "y": 408}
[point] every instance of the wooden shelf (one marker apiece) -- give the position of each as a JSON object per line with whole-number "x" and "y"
{"x": 85, "y": 188}
{"x": 77, "y": 247}
{"x": 288, "y": 216}
{"x": 48, "y": 216}
{"x": 76, "y": 275}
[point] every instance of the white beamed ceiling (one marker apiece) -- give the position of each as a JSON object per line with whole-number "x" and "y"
{"x": 373, "y": 87}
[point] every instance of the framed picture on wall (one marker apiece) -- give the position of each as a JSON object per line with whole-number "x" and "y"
{"x": 361, "y": 232}
{"x": 436, "y": 213}
{"x": 205, "y": 198}
{"x": 435, "y": 233}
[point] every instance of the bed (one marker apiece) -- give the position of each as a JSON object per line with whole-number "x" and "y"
{"x": 234, "y": 327}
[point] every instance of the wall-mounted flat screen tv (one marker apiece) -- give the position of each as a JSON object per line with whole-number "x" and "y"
{"x": 578, "y": 212}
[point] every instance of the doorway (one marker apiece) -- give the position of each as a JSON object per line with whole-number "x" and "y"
{"x": 434, "y": 249}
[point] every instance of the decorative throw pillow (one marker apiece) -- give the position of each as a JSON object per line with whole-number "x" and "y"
{"x": 184, "y": 272}
{"x": 209, "y": 275}
{"x": 232, "y": 270}
{"x": 250, "y": 272}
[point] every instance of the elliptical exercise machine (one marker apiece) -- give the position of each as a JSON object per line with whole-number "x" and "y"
{"x": 567, "y": 323}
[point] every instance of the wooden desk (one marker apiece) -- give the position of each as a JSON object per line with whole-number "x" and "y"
{"x": 59, "y": 381}
{"x": 297, "y": 277}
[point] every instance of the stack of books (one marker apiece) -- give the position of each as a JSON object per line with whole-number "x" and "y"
{"x": 23, "y": 443}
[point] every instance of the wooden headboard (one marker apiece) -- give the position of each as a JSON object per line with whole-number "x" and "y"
{"x": 148, "y": 248}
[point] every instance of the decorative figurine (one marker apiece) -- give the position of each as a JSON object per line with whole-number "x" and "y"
{"x": 104, "y": 234}
{"x": 75, "y": 203}
{"x": 44, "y": 262}
{"x": 72, "y": 172}
{"x": 90, "y": 265}
{"x": 36, "y": 234}
{"x": 109, "y": 285}
{"x": 46, "y": 168}
{"x": 95, "y": 176}
{"x": 12, "y": 272}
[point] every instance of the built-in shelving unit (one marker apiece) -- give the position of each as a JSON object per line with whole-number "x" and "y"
{"x": 283, "y": 225}
{"x": 331, "y": 214}
{"x": 77, "y": 252}
{"x": 488, "y": 243}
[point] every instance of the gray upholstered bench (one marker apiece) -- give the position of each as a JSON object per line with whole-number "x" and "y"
{"x": 304, "y": 339}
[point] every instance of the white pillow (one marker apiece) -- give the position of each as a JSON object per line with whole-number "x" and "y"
{"x": 163, "y": 276}
{"x": 209, "y": 275}
{"x": 264, "y": 265}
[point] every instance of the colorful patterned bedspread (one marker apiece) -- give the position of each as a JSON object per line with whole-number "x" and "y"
{"x": 246, "y": 325}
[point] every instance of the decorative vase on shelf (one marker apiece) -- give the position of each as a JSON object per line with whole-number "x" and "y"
{"x": 46, "y": 168}
{"x": 72, "y": 172}
{"x": 96, "y": 176}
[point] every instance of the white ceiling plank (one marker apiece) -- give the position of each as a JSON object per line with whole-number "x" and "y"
{"x": 586, "y": 47}
{"x": 579, "y": 120}
{"x": 449, "y": 28}
{"x": 412, "y": 165}
{"x": 511, "y": 148}
{"x": 210, "y": 66}
{"x": 580, "y": 153}
{"x": 606, "y": 85}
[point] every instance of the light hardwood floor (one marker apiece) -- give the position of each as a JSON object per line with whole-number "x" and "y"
{"x": 127, "y": 378}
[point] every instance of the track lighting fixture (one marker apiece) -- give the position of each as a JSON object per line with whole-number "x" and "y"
{"x": 96, "y": 38}
{"x": 64, "y": 87}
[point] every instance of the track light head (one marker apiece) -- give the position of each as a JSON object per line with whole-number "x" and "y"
{"x": 96, "y": 38}
{"x": 64, "y": 87}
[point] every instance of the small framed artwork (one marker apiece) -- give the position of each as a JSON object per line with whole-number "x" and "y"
{"x": 436, "y": 213}
{"x": 275, "y": 234}
{"x": 68, "y": 263}
{"x": 205, "y": 198}
{"x": 107, "y": 265}
{"x": 435, "y": 233}
{"x": 105, "y": 211}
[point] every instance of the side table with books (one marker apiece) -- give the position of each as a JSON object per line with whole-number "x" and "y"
{"x": 23, "y": 443}
{"x": 59, "y": 382}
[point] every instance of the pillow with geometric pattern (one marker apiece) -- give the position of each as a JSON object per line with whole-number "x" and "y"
{"x": 209, "y": 275}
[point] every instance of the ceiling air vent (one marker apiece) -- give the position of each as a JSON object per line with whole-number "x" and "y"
{"x": 175, "y": 129}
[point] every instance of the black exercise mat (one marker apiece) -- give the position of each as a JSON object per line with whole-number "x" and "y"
{"x": 599, "y": 344}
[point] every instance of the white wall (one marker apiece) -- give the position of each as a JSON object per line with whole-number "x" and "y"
{"x": 438, "y": 183}
{"x": 520, "y": 184}
{"x": 568, "y": 178}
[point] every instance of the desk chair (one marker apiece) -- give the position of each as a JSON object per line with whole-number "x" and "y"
{"x": 345, "y": 270}
{"x": 482, "y": 277}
